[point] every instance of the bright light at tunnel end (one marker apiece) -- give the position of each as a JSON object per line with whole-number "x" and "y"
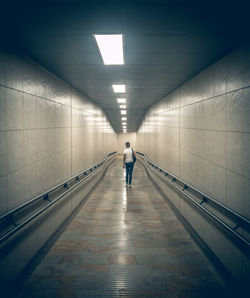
{"x": 111, "y": 48}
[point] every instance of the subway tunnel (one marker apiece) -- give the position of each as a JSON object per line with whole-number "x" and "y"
{"x": 69, "y": 224}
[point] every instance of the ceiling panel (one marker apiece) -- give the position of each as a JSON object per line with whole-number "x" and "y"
{"x": 165, "y": 43}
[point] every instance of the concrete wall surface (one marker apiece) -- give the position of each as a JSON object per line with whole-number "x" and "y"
{"x": 48, "y": 133}
{"x": 24, "y": 246}
{"x": 201, "y": 133}
{"x": 48, "y": 130}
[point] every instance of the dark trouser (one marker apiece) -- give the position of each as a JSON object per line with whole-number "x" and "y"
{"x": 129, "y": 172}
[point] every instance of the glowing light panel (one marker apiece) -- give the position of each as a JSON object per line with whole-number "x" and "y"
{"x": 119, "y": 88}
{"x": 121, "y": 100}
{"x": 111, "y": 48}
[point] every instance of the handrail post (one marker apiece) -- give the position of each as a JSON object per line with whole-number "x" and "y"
{"x": 204, "y": 200}
{"x": 46, "y": 197}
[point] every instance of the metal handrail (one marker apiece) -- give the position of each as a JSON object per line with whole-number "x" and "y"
{"x": 9, "y": 216}
{"x": 239, "y": 220}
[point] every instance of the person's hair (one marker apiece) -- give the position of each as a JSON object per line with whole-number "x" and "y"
{"x": 127, "y": 144}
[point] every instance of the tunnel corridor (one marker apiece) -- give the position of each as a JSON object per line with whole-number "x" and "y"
{"x": 80, "y": 79}
{"x": 124, "y": 243}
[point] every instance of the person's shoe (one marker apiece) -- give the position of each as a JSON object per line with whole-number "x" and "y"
{"x": 130, "y": 186}
{"x": 127, "y": 185}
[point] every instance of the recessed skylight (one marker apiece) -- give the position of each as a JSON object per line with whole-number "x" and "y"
{"x": 123, "y": 112}
{"x": 119, "y": 88}
{"x": 122, "y": 106}
{"x": 121, "y": 100}
{"x": 111, "y": 48}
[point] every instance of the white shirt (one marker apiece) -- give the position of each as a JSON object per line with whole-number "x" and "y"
{"x": 128, "y": 155}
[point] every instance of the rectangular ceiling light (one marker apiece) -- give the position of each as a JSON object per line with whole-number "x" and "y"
{"x": 119, "y": 88}
{"x": 111, "y": 48}
{"x": 124, "y": 118}
{"x": 121, "y": 100}
{"x": 123, "y": 112}
{"x": 122, "y": 106}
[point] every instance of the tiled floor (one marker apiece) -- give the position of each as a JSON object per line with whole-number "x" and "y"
{"x": 124, "y": 243}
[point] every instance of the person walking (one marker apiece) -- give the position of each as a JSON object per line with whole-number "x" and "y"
{"x": 128, "y": 162}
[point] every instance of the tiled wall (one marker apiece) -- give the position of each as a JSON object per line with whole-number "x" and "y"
{"x": 48, "y": 130}
{"x": 201, "y": 133}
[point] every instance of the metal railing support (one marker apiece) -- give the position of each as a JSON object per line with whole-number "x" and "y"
{"x": 182, "y": 187}
{"x": 65, "y": 187}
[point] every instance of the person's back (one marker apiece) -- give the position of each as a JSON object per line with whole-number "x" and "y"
{"x": 128, "y": 162}
{"x": 128, "y": 155}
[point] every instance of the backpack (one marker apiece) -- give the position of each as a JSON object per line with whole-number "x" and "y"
{"x": 134, "y": 158}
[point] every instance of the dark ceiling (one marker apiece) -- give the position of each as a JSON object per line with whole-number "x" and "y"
{"x": 166, "y": 43}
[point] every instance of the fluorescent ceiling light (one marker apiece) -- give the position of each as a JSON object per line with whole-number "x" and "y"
{"x": 123, "y": 112}
{"x": 111, "y": 48}
{"x": 124, "y": 123}
{"x": 119, "y": 88}
{"x": 122, "y": 106}
{"x": 124, "y": 118}
{"x": 121, "y": 100}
